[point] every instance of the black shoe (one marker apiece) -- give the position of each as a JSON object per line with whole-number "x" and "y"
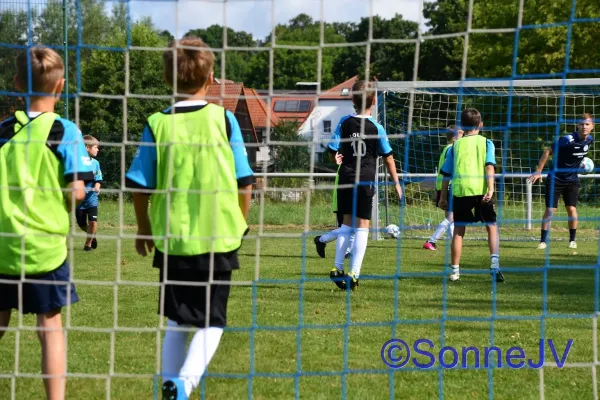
{"x": 353, "y": 282}
{"x": 320, "y": 247}
{"x": 94, "y": 243}
{"x": 87, "y": 248}
{"x": 169, "y": 391}
{"x": 338, "y": 277}
{"x": 499, "y": 276}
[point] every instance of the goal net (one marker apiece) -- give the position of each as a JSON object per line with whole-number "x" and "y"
{"x": 290, "y": 332}
{"x": 521, "y": 117}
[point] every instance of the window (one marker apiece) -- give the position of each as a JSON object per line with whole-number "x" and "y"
{"x": 292, "y": 106}
{"x": 326, "y": 126}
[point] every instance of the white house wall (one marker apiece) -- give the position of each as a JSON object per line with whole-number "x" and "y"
{"x": 326, "y": 110}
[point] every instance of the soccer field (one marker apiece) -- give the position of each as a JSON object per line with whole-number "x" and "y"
{"x": 290, "y": 333}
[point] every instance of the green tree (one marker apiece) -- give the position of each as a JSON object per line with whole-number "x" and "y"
{"x": 387, "y": 61}
{"x": 237, "y": 62}
{"x": 105, "y": 73}
{"x": 290, "y": 157}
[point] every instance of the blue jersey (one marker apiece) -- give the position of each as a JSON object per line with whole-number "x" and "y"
{"x": 571, "y": 151}
{"x": 65, "y": 141}
{"x": 91, "y": 196}
{"x": 142, "y": 172}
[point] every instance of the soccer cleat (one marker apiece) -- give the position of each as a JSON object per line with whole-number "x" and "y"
{"x": 320, "y": 247}
{"x": 499, "y": 276}
{"x": 430, "y": 246}
{"x": 174, "y": 389}
{"x": 454, "y": 276}
{"x": 348, "y": 254}
{"x": 572, "y": 245}
{"x": 541, "y": 246}
{"x": 353, "y": 282}
{"x": 338, "y": 277}
{"x": 87, "y": 248}
{"x": 94, "y": 243}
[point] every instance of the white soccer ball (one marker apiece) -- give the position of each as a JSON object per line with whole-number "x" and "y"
{"x": 392, "y": 231}
{"x": 587, "y": 165}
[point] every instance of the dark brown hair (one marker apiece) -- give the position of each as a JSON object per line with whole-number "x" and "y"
{"x": 470, "y": 119}
{"x": 358, "y": 89}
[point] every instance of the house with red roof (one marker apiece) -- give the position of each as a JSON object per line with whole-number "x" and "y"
{"x": 331, "y": 106}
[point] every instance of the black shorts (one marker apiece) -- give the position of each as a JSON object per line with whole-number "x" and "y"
{"x": 86, "y": 215}
{"x": 340, "y": 218}
{"x": 187, "y": 305}
{"x": 39, "y": 298}
{"x": 472, "y": 209}
{"x": 358, "y": 204}
{"x": 568, "y": 190}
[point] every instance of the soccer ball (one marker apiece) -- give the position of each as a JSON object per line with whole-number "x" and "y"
{"x": 587, "y": 165}
{"x": 392, "y": 231}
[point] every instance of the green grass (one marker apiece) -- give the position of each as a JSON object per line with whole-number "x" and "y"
{"x": 409, "y": 308}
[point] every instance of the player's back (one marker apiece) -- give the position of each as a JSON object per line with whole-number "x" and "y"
{"x": 362, "y": 150}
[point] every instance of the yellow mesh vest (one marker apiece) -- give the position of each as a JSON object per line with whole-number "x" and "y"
{"x": 196, "y": 209}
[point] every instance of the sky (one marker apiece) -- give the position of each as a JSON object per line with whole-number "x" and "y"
{"x": 256, "y": 16}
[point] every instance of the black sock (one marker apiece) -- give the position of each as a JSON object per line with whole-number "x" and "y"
{"x": 544, "y": 235}
{"x": 572, "y": 234}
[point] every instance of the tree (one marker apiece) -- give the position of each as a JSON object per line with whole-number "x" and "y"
{"x": 290, "y": 157}
{"x": 237, "y": 62}
{"x": 387, "y": 61}
{"x": 104, "y": 73}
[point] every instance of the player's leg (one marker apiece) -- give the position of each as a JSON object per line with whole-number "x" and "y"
{"x": 551, "y": 200}
{"x": 345, "y": 232}
{"x": 462, "y": 210}
{"x": 321, "y": 241}
{"x": 46, "y": 301}
{"x": 4, "y": 321}
{"x": 81, "y": 218}
{"x": 364, "y": 208}
{"x": 206, "y": 339}
{"x": 92, "y": 214}
{"x": 570, "y": 196}
{"x": 54, "y": 356}
{"x": 485, "y": 212}
{"x": 8, "y": 299}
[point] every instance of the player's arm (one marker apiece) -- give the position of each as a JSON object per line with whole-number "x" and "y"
{"x": 98, "y": 179}
{"x": 76, "y": 162}
{"x": 334, "y": 144}
{"x": 385, "y": 151}
{"x": 446, "y": 171}
{"x": 537, "y": 175}
{"x": 243, "y": 172}
{"x": 142, "y": 176}
{"x": 490, "y": 170}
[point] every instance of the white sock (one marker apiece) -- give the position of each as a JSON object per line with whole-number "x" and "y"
{"x": 341, "y": 246}
{"x": 455, "y": 269}
{"x": 495, "y": 260}
{"x": 451, "y": 230}
{"x": 329, "y": 236}
{"x": 351, "y": 242}
{"x": 359, "y": 249}
{"x": 202, "y": 349}
{"x": 173, "y": 351}
{"x": 440, "y": 230}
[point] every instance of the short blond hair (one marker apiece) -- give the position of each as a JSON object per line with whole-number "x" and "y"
{"x": 193, "y": 66}
{"x": 90, "y": 141}
{"x": 358, "y": 89}
{"x": 585, "y": 116}
{"x": 47, "y": 68}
